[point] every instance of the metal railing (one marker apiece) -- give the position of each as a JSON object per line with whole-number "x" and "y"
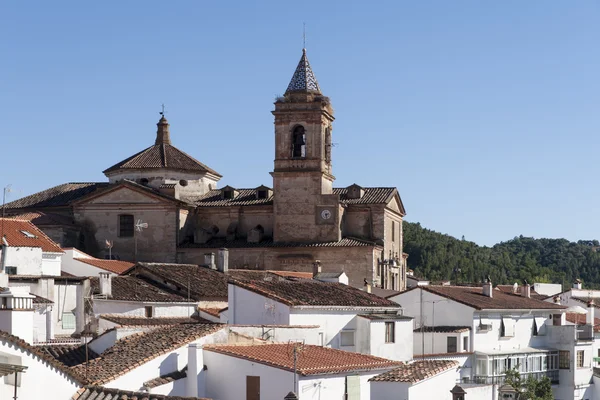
{"x": 499, "y": 380}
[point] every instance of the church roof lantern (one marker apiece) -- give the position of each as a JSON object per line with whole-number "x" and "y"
{"x": 304, "y": 79}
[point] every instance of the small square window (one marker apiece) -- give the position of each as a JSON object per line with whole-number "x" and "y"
{"x": 10, "y": 270}
{"x": 564, "y": 359}
{"x": 149, "y": 311}
{"x": 228, "y": 194}
{"x": 451, "y": 344}
{"x": 68, "y": 320}
{"x": 126, "y": 228}
{"x": 390, "y": 332}
{"x": 347, "y": 338}
{"x": 263, "y": 194}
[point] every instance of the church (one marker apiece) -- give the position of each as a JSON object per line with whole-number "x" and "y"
{"x": 162, "y": 205}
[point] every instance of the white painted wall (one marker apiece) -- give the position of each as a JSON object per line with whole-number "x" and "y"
{"x": 51, "y": 263}
{"x": 401, "y": 349}
{"x": 478, "y": 392}
{"x": 78, "y": 268}
{"x": 175, "y": 388}
{"x": 40, "y": 381}
{"x": 490, "y": 341}
{"x": 65, "y": 301}
{"x": 248, "y": 308}
{"x": 547, "y": 289}
{"x": 437, "y": 342}
{"x": 437, "y": 387}
{"x": 274, "y": 383}
{"x": 137, "y": 308}
{"x": 331, "y": 323}
{"x": 280, "y": 333}
{"x": 40, "y": 322}
{"x": 28, "y": 260}
{"x": 437, "y": 310}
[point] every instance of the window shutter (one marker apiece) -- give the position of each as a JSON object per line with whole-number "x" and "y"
{"x": 509, "y": 326}
{"x": 353, "y": 387}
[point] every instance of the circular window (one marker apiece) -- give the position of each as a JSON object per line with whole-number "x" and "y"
{"x": 183, "y": 182}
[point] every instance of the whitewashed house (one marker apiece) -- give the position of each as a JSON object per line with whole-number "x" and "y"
{"x": 425, "y": 379}
{"x": 26, "y": 250}
{"x": 350, "y": 319}
{"x": 78, "y": 263}
{"x": 266, "y": 372}
{"x": 502, "y": 330}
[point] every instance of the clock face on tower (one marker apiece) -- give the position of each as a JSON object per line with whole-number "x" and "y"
{"x": 326, "y": 214}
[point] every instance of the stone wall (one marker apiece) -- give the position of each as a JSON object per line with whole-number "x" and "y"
{"x": 357, "y": 262}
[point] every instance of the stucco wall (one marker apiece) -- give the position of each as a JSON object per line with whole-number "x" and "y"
{"x": 282, "y": 334}
{"x": 401, "y": 349}
{"x": 523, "y": 335}
{"x": 38, "y": 378}
{"x": 28, "y": 260}
{"x": 437, "y": 387}
{"x": 437, "y": 342}
{"x": 156, "y": 243}
{"x": 249, "y": 308}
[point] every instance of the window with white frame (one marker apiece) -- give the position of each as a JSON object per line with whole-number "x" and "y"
{"x": 390, "y": 332}
{"x": 347, "y": 338}
{"x": 580, "y": 358}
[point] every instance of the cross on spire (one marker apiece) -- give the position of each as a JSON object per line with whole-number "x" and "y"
{"x": 162, "y": 112}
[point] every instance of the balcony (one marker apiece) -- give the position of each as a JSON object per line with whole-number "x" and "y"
{"x": 499, "y": 380}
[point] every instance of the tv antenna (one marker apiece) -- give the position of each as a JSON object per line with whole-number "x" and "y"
{"x": 139, "y": 225}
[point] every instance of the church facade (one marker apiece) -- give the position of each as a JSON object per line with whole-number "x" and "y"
{"x": 163, "y": 205}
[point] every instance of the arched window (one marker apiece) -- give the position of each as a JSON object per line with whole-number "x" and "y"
{"x": 299, "y": 142}
{"x": 328, "y": 145}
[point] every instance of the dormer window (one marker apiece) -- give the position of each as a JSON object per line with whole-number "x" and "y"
{"x": 299, "y": 142}
{"x": 355, "y": 192}
{"x": 263, "y": 192}
{"x": 228, "y": 193}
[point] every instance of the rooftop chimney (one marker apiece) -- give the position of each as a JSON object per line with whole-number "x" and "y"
{"x": 223, "y": 260}
{"x": 209, "y": 260}
{"x": 526, "y": 290}
{"x": 487, "y": 287}
{"x": 195, "y": 371}
{"x": 589, "y": 317}
{"x": 557, "y": 300}
{"x": 105, "y": 284}
{"x": 577, "y": 284}
{"x": 317, "y": 269}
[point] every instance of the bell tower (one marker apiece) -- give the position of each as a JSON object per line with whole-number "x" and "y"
{"x": 305, "y": 209}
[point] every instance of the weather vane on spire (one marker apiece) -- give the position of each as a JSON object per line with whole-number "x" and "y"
{"x": 304, "y": 35}
{"x": 162, "y": 110}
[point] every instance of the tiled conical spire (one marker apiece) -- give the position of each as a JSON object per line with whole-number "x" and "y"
{"x": 304, "y": 79}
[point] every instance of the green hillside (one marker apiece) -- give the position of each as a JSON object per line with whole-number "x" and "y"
{"x": 436, "y": 256}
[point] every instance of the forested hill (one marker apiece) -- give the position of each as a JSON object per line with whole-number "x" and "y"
{"x": 436, "y": 256}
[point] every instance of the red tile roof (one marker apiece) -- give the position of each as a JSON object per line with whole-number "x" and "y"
{"x": 13, "y": 232}
{"x": 69, "y": 355}
{"x": 311, "y": 360}
{"x": 37, "y": 352}
{"x": 581, "y": 319}
{"x": 314, "y": 293}
{"x": 123, "y": 320}
{"x": 115, "y": 266}
{"x": 138, "y": 349}
{"x": 40, "y": 218}
{"x": 130, "y": 288}
{"x": 162, "y": 156}
{"x": 416, "y": 372}
{"x": 166, "y": 378}
{"x": 217, "y": 243}
{"x": 474, "y": 297}
{"x": 204, "y": 283}
{"x": 57, "y": 196}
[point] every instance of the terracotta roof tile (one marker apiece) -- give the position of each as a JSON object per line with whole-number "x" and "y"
{"x": 254, "y": 274}
{"x": 57, "y": 196}
{"x": 217, "y": 243}
{"x": 123, "y": 320}
{"x": 162, "y": 156}
{"x": 386, "y": 317}
{"x": 474, "y": 297}
{"x": 137, "y": 349}
{"x": 102, "y": 393}
{"x": 372, "y": 195}
{"x": 314, "y": 293}
{"x": 39, "y": 218}
{"x": 115, "y": 266}
{"x": 167, "y": 378}
{"x": 581, "y": 319}
{"x": 42, "y": 355}
{"x": 130, "y": 288}
{"x": 215, "y": 312}
{"x": 69, "y": 355}
{"x": 416, "y": 371}
{"x": 311, "y": 360}
{"x": 14, "y": 233}
{"x": 204, "y": 283}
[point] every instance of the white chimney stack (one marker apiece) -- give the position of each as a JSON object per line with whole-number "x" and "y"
{"x": 105, "y": 284}
{"x": 577, "y": 284}
{"x": 195, "y": 371}
{"x": 589, "y": 317}
{"x": 3, "y": 276}
{"x": 209, "y": 260}
{"x": 317, "y": 269}
{"x": 223, "y": 260}
{"x": 488, "y": 288}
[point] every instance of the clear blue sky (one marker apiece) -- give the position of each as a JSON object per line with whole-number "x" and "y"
{"x": 485, "y": 115}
